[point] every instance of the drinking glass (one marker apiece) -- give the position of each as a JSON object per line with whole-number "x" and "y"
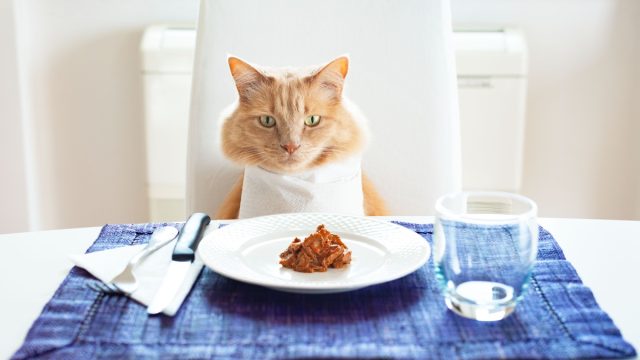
{"x": 485, "y": 246}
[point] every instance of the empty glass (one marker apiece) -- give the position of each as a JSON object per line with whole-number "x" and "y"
{"x": 485, "y": 245}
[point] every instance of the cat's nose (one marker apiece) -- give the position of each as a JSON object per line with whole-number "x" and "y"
{"x": 290, "y": 147}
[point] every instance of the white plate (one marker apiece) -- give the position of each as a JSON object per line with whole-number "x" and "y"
{"x": 249, "y": 251}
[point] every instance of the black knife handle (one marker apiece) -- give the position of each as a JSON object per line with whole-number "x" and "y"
{"x": 190, "y": 237}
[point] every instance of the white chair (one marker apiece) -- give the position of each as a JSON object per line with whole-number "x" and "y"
{"x": 401, "y": 75}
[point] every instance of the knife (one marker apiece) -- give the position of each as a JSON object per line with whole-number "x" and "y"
{"x": 181, "y": 259}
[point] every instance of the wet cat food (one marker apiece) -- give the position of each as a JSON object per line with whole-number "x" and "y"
{"x": 317, "y": 253}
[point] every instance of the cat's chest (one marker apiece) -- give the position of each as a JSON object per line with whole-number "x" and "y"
{"x": 335, "y": 188}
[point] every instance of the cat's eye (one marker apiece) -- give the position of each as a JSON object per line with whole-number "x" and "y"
{"x": 267, "y": 121}
{"x": 312, "y": 120}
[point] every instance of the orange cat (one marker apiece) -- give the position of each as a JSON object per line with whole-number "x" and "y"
{"x": 287, "y": 124}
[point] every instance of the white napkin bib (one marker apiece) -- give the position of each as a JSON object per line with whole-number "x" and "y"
{"x": 335, "y": 188}
{"x": 107, "y": 264}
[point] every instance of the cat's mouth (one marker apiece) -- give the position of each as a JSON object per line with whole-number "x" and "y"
{"x": 290, "y": 162}
{"x": 285, "y": 162}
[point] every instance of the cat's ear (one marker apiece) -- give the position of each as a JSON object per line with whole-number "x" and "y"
{"x": 329, "y": 80}
{"x": 248, "y": 79}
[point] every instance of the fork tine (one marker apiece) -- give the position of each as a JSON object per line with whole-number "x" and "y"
{"x": 91, "y": 286}
{"x": 113, "y": 287}
{"x": 95, "y": 286}
{"x": 104, "y": 287}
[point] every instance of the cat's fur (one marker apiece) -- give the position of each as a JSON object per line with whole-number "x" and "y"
{"x": 290, "y": 95}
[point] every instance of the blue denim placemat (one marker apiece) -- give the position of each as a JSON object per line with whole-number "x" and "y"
{"x": 406, "y": 318}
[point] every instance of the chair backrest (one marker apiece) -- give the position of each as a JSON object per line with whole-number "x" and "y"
{"x": 401, "y": 75}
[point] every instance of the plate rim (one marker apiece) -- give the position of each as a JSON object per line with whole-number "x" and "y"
{"x": 282, "y": 285}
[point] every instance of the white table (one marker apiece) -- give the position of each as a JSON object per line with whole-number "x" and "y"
{"x": 606, "y": 254}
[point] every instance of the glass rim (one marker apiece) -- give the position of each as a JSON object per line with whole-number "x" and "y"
{"x": 441, "y": 209}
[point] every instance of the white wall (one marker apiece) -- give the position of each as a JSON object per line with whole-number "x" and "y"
{"x": 581, "y": 152}
{"x": 83, "y": 94}
{"x": 636, "y": 129}
{"x": 13, "y": 189}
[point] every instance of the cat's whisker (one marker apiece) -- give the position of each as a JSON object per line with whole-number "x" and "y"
{"x": 334, "y": 150}
{"x": 249, "y": 156}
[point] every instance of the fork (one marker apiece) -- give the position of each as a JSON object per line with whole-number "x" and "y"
{"x": 126, "y": 279}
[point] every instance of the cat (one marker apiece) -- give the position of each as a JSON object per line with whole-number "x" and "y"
{"x": 293, "y": 124}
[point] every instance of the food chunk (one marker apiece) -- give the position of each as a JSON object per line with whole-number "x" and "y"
{"x": 317, "y": 253}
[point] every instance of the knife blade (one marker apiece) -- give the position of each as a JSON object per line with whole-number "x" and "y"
{"x": 181, "y": 260}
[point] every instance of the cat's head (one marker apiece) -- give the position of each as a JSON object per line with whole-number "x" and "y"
{"x": 291, "y": 120}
